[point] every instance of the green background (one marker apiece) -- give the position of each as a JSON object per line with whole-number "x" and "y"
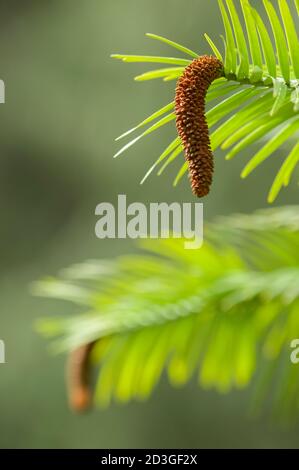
{"x": 66, "y": 101}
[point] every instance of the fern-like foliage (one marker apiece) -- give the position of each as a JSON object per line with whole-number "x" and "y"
{"x": 257, "y": 100}
{"x": 222, "y": 313}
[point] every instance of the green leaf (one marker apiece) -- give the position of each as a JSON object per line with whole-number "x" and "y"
{"x": 171, "y": 158}
{"x": 258, "y": 133}
{"x": 229, "y": 104}
{"x": 283, "y": 176}
{"x": 243, "y": 131}
{"x": 279, "y": 93}
{"x": 231, "y": 54}
{"x": 221, "y": 91}
{"x": 170, "y": 77}
{"x": 165, "y": 120}
{"x": 291, "y": 165}
{"x": 183, "y": 170}
{"x": 149, "y": 119}
{"x": 243, "y": 69}
{"x": 269, "y": 54}
{"x": 291, "y": 34}
{"x": 250, "y": 111}
{"x": 280, "y": 40}
{"x": 155, "y": 59}
{"x": 280, "y": 137}
{"x": 213, "y": 47}
{"x": 160, "y": 73}
{"x": 62, "y": 290}
{"x": 166, "y": 152}
{"x": 173, "y": 44}
{"x": 227, "y": 55}
{"x": 219, "y": 82}
{"x": 255, "y": 49}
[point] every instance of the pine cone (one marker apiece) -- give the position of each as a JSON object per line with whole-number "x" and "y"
{"x": 191, "y": 122}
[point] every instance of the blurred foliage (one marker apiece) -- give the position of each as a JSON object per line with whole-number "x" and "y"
{"x": 258, "y": 98}
{"x": 217, "y": 311}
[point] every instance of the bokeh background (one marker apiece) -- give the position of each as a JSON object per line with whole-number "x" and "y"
{"x": 66, "y": 101}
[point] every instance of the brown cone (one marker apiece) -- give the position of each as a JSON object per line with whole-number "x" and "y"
{"x": 78, "y": 378}
{"x": 191, "y": 122}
